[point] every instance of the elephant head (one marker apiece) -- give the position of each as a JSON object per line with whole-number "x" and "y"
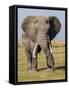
{"x": 34, "y": 25}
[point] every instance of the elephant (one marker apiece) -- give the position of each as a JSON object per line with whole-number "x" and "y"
{"x": 38, "y": 32}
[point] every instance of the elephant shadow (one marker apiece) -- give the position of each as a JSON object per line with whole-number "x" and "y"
{"x": 56, "y": 68}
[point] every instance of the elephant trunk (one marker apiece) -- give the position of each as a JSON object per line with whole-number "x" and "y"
{"x": 42, "y": 40}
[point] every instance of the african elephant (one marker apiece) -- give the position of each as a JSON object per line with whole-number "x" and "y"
{"x": 37, "y": 36}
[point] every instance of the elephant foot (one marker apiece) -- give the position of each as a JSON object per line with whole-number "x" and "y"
{"x": 29, "y": 69}
{"x": 50, "y": 69}
{"x": 34, "y": 70}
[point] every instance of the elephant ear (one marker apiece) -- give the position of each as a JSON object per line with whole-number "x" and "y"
{"x": 28, "y": 26}
{"x": 55, "y": 27}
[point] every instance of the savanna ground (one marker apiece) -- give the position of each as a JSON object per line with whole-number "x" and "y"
{"x": 42, "y": 74}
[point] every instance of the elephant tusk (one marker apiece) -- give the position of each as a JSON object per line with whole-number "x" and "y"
{"x": 50, "y": 45}
{"x": 50, "y": 48}
{"x": 34, "y": 50}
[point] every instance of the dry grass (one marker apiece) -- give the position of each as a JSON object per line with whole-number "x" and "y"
{"x": 43, "y": 74}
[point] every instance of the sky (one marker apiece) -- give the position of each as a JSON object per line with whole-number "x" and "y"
{"x": 24, "y": 12}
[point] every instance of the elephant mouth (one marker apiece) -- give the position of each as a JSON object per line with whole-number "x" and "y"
{"x": 38, "y": 49}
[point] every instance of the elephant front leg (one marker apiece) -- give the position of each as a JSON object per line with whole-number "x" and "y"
{"x": 29, "y": 60}
{"x": 34, "y": 57}
{"x": 34, "y": 63}
{"x": 50, "y": 62}
{"x": 50, "y": 59}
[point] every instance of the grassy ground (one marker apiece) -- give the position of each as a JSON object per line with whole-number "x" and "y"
{"x": 43, "y": 74}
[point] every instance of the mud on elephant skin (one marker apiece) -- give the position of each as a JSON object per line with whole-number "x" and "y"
{"x": 37, "y": 36}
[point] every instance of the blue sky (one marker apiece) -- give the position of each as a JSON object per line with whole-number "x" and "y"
{"x": 24, "y": 12}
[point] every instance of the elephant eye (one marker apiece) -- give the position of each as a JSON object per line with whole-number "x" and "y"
{"x": 47, "y": 21}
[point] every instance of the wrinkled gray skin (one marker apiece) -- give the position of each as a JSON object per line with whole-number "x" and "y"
{"x": 38, "y": 33}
